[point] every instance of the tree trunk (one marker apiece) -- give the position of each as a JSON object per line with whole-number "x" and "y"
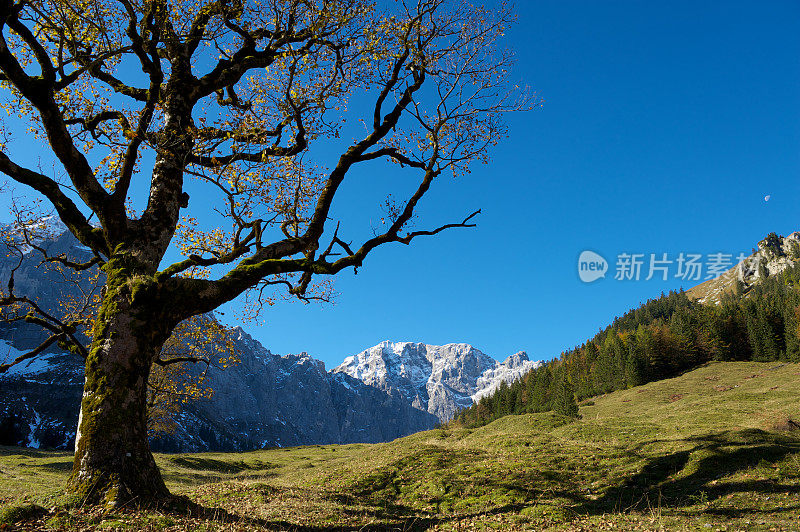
{"x": 113, "y": 464}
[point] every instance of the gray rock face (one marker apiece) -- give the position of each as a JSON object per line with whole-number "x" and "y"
{"x": 47, "y": 284}
{"x": 511, "y": 369}
{"x": 440, "y": 380}
{"x": 39, "y": 400}
{"x": 266, "y": 400}
{"x": 385, "y": 392}
{"x": 774, "y": 254}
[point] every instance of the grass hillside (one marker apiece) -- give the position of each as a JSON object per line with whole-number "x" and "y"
{"x": 714, "y": 449}
{"x": 712, "y": 290}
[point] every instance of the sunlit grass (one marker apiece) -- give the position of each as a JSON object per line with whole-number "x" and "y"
{"x": 712, "y": 449}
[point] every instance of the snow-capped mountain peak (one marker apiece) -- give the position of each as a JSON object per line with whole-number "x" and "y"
{"x": 438, "y": 379}
{"x": 511, "y": 369}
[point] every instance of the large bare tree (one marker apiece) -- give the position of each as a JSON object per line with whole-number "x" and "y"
{"x": 141, "y": 101}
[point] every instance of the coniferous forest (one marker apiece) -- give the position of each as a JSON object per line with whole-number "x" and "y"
{"x": 662, "y": 338}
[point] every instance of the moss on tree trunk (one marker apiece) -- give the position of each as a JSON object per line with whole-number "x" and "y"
{"x": 113, "y": 464}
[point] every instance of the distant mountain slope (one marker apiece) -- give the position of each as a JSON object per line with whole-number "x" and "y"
{"x": 441, "y": 380}
{"x": 751, "y": 313}
{"x": 385, "y": 392}
{"x": 265, "y": 400}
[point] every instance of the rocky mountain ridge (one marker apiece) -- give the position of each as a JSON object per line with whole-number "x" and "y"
{"x": 265, "y": 400}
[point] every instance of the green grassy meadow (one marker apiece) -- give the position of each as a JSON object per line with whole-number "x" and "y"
{"x": 715, "y": 449}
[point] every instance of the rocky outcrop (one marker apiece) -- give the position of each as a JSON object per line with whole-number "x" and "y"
{"x": 774, "y": 254}
{"x": 511, "y": 369}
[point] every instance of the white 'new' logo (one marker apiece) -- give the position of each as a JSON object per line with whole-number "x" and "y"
{"x": 591, "y": 266}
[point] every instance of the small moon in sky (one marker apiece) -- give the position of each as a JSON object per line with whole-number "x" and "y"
{"x": 767, "y": 197}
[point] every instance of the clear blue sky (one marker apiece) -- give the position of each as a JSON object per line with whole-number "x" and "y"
{"x": 664, "y": 127}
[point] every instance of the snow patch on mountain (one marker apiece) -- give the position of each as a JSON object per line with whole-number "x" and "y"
{"x": 510, "y": 370}
{"x": 437, "y": 379}
{"x": 264, "y": 400}
{"x": 37, "y": 232}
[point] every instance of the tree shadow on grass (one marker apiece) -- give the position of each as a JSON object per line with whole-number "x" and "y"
{"x": 384, "y": 499}
{"x": 417, "y": 491}
{"x": 432, "y": 485}
{"x": 391, "y": 517}
{"x": 684, "y": 478}
{"x": 201, "y": 463}
{"x": 198, "y": 470}
{"x": 57, "y": 467}
{"x": 395, "y": 517}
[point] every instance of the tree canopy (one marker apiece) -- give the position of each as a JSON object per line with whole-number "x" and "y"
{"x": 140, "y": 102}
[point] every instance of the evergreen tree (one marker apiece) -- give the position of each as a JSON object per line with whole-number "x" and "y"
{"x": 766, "y": 334}
{"x": 772, "y": 245}
{"x": 792, "y": 332}
{"x": 541, "y": 397}
{"x": 763, "y": 272}
{"x": 633, "y": 370}
{"x": 564, "y": 402}
{"x": 504, "y": 400}
{"x": 794, "y": 250}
